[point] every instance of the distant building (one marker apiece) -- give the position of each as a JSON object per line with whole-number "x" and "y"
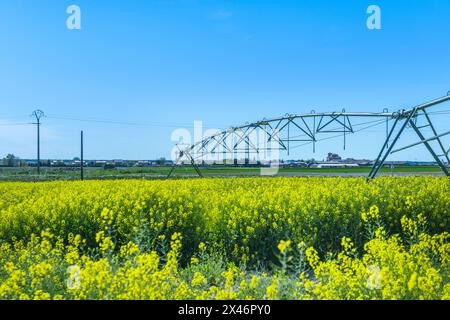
{"x": 333, "y": 157}
{"x": 57, "y": 163}
{"x": 337, "y": 165}
{"x": 100, "y": 163}
{"x": 361, "y": 162}
{"x": 293, "y": 163}
{"x": 143, "y": 163}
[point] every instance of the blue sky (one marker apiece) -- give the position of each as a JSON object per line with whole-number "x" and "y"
{"x": 165, "y": 63}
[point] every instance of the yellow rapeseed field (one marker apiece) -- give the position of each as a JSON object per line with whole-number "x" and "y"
{"x": 244, "y": 238}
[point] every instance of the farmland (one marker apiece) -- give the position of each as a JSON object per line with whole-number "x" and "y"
{"x": 52, "y": 173}
{"x": 222, "y": 238}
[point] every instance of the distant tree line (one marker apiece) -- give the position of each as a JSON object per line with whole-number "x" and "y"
{"x": 10, "y": 160}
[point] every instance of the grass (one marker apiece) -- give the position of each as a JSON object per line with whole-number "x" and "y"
{"x": 30, "y": 174}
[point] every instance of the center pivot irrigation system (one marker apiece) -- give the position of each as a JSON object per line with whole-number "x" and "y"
{"x": 293, "y": 131}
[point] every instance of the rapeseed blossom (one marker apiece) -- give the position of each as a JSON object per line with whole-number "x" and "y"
{"x": 208, "y": 239}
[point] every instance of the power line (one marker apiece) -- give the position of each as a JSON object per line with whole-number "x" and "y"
{"x": 154, "y": 123}
{"x": 15, "y": 124}
{"x": 117, "y": 122}
{"x": 446, "y": 111}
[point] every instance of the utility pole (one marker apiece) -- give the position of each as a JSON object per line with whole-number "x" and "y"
{"x": 38, "y": 114}
{"x": 82, "y": 158}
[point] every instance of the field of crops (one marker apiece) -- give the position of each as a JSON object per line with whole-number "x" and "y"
{"x": 241, "y": 238}
{"x": 29, "y": 174}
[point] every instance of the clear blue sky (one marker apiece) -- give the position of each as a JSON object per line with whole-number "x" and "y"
{"x": 167, "y": 63}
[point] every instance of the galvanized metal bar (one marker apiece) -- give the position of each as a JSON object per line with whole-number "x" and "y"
{"x": 307, "y": 127}
{"x": 387, "y": 126}
{"x": 244, "y": 134}
{"x": 314, "y": 133}
{"x": 271, "y": 136}
{"x": 297, "y": 140}
{"x": 289, "y": 139}
{"x": 350, "y": 124}
{"x": 378, "y": 162}
{"x": 320, "y": 122}
{"x": 432, "y": 103}
{"x": 180, "y": 155}
{"x": 344, "y": 128}
{"x": 303, "y": 130}
{"x": 278, "y": 124}
{"x": 422, "y": 141}
{"x": 335, "y": 119}
{"x": 247, "y": 140}
{"x": 430, "y": 149}
{"x": 436, "y": 134}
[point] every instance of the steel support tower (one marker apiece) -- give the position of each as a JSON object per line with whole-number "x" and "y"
{"x": 305, "y": 129}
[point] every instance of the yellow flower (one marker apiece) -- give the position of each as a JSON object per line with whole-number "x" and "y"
{"x": 412, "y": 283}
{"x": 176, "y": 236}
{"x": 99, "y": 236}
{"x": 272, "y": 290}
{"x": 284, "y": 246}
{"x": 41, "y": 295}
{"x": 372, "y": 215}
{"x": 106, "y": 245}
{"x": 198, "y": 280}
{"x": 254, "y": 282}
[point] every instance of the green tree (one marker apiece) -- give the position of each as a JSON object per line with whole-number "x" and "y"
{"x": 11, "y": 160}
{"x": 161, "y": 161}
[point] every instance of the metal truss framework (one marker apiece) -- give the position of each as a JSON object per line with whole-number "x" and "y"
{"x": 280, "y": 133}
